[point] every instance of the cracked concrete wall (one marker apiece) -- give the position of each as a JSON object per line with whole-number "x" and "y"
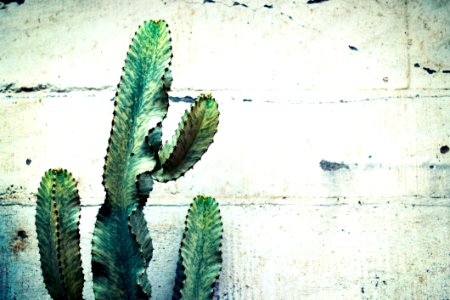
{"x": 331, "y": 163}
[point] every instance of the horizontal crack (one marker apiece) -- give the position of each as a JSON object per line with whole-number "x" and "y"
{"x": 185, "y": 99}
{"x": 13, "y": 88}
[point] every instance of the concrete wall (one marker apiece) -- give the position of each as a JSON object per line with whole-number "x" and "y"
{"x": 331, "y": 162}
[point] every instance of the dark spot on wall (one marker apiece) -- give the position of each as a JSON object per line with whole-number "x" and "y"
{"x": 431, "y": 167}
{"x": 362, "y": 290}
{"x": 23, "y": 89}
{"x": 420, "y": 279}
{"x": 290, "y": 17}
{"x": 269, "y": 6}
{"x": 11, "y": 192}
{"x": 315, "y": 1}
{"x": 446, "y": 71}
{"x": 444, "y": 149}
{"x": 247, "y": 100}
{"x": 28, "y": 161}
{"x": 22, "y": 234}
{"x": 185, "y": 99}
{"x": 332, "y": 166}
{"x": 209, "y": 1}
{"x": 416, "y": 65}
{"x": 353, "y": 48}
{"x": 19, "y": 242}
{"x": 235, "y": 3}
{"x": 386, "y": 79}
{"x": 429, "y": 71}
{"x": 359, "y": 202}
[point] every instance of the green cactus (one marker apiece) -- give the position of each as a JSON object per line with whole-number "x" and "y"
{"x": 121, "y": 243}
{"x": 122, "y": 248}
{"x": 57, "y": 221}
{"x": 200, "y": 258}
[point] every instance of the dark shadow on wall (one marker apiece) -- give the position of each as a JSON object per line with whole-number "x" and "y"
{"x": 3, "y": 3}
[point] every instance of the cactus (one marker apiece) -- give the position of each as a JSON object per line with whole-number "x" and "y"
{"x": 200, "y": 258}
{"x": 57, "y": 221}
{"x": 136, "y": 157}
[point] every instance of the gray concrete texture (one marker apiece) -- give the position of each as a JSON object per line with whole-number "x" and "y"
{"x": 331, "y": 163}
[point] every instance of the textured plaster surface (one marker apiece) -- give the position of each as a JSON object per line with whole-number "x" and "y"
{"x": 297, "y": 46}
{"x": 330, "y": 163}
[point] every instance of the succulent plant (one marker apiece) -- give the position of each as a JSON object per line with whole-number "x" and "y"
{"x": 122, "y": 246}
{"x": 200, "y": 258}
{"x": 57, "y": 222}
{"x": 136, "y": 157}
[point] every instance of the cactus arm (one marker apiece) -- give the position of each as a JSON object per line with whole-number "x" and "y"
{"x": 57, "y": 222}
{"x": 191, "y": 140}
{"x": 120, "y": 250}
{"x": 200, "y": 254}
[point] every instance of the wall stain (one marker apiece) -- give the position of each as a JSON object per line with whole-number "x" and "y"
{"x": 315, "y": 1}
{"x": 185, "y": 99}
{"x": 332, "y": 166}
{"x": 235, "y": 3}
{"x": 429, "y": 70}
{"x": 444, "y": 149}
{"x": 12, "y": 88}
{"x": 19, "y": 242}
{"x": 11, "y": 191}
